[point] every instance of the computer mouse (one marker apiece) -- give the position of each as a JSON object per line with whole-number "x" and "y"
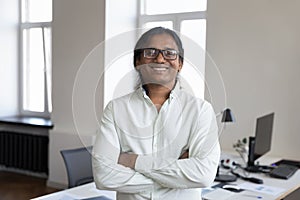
{"x": 233, "y": 188}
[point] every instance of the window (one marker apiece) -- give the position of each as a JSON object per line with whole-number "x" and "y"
{"x": 150, "y": 7}
{"x": 35, "y": 53}
{"x": 189, "y": 20}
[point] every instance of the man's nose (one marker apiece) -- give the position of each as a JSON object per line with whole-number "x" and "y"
{"x": 160, "y": 58}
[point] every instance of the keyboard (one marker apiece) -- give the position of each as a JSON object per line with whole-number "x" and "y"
{"x": 283, "y": 171}
{"x": 288, "y": 162}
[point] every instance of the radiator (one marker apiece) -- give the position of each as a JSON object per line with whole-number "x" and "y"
{"x": 24, "y": 151}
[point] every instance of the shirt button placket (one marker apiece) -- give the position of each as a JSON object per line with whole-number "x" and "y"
{"x": 155, "y": 135}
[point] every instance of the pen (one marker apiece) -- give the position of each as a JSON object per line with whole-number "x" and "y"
{"x": 254, "y": 196}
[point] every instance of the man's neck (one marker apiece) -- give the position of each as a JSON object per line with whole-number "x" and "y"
{"x": 158, "y": 93}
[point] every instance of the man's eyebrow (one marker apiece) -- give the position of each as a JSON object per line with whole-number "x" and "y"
{"x": 171, "y": 49}
{"x": 165, "y": 48}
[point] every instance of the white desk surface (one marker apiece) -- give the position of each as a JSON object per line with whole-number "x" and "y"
{"x": 287, "y": 186}
{"x": 89, "y": 190}
{"x": 81, "y": 192}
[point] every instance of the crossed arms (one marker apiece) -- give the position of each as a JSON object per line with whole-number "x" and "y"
{"x": 132, "y": 173}
{"x": 128, "y": 160}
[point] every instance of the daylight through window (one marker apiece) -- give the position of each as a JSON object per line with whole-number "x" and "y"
{"x": 36, "y": 17}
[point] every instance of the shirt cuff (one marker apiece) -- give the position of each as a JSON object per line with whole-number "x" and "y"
{"x": 143, "y": 164}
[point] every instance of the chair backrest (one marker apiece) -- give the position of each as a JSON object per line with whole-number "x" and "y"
{"x": 78, "y": 165}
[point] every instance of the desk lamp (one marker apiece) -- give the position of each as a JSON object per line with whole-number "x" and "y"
{"x": 227, "y": 116}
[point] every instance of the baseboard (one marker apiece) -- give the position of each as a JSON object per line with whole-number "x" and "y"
{"x": 56, "y": 185}
{"x": 21, "y": 171}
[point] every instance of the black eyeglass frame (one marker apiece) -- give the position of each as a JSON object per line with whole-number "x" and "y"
{"x": 157, "y": 51}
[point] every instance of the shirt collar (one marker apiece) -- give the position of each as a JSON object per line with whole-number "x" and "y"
{"x": 174, "y": 92}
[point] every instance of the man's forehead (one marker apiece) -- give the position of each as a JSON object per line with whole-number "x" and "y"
{"x": 165, "y": 41}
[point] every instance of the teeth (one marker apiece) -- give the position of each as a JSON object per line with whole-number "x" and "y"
{"x": 160, "y": 68}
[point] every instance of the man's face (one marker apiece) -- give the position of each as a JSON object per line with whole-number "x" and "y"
{"x": 159, "y": 70}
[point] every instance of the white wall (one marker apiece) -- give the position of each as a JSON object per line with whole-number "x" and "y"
{"x": 256, "y": 46}
{"x": 9, "y": 18}
{"x": 78, "y": 27}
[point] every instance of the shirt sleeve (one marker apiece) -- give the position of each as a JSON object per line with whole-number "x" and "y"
{"x": 108, "y": 174}
{"x": 199, "y": 169}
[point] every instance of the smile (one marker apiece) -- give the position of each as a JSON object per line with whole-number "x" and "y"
{"x": 160, "y": 68}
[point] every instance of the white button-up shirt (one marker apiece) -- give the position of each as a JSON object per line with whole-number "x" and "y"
{"x": 132, "y": 124}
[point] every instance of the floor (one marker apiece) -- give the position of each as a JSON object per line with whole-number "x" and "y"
{"x": 15, "y": 186}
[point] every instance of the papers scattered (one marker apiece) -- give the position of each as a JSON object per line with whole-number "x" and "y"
{"x": 270, "y": 190}
{"x": 219, "y": 194}
{"x": 68, "y": 197}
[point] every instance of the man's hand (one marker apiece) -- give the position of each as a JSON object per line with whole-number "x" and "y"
{"x": 127, "y": 160}
{"x": 184, "y": 155}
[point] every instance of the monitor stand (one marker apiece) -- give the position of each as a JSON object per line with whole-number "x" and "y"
{"x": 251, "y": 167}
{"x": 259, "y": 168}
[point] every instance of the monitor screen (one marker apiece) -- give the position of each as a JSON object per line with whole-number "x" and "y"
{"x": 263, "y": 135}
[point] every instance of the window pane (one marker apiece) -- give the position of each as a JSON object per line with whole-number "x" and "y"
{"x": 36, "y": 10}
{"x": 33, "y": 66}
{"x": 166, "y": 24}
{"x": 119, "y": 80}
{"x": 195, "y": 30}
{"x": 48, "y": 48}
{"x": 173, "y": 6}
{"x": 192, "y": 79}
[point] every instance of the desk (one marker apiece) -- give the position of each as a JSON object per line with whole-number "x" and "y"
{"x": 89, "y": 190}
{"x": 84, "y": 191}
{"x": 287, "y": 186}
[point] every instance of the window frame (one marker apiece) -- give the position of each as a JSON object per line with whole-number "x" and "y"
{"x": 47, "y": 69}
{"x": 176, "y": 18}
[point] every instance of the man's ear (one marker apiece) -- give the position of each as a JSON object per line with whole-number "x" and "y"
{"x": 180, "y": 66}
{"x": 137, "y": 65}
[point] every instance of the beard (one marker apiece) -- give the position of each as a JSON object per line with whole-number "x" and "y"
{"x": 158, "y": 74}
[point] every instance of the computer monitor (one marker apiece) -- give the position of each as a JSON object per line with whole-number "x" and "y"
{"x": 261, "y": 143}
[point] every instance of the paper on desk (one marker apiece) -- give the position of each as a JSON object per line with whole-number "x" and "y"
{"x": 262, "y": 188}
{"x": 91, "y": 192}
{"x": 68, "y": 197}
{"x": 219, "y": 194}
{"x": 71, "y": 197}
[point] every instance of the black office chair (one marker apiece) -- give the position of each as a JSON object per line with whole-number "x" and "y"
{"x": 78, "y": 165}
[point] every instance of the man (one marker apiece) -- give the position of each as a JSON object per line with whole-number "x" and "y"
{"x": 158, "y": 142}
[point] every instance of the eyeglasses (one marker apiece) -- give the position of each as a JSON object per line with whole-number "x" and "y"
{"x": 152, "y": 53}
